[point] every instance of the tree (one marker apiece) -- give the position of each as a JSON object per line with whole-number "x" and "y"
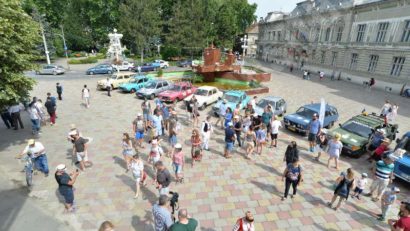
{"x": 19, "y": 36}
{"x": 139, "y": 21}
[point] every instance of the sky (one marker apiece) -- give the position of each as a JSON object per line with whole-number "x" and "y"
{"x": 265, "y": 6}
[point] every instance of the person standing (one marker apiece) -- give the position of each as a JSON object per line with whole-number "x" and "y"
{"x": 65, "y": 186}
{"x": 173, "y": 131}
{"x": 138, "y": 127}
{"x": 292, "y": 176}
{"x": 195, "y": 113}
{"x": 361, "y": 184}
{"x": 228, "y": 117}
{"x": 59, "y": 89}
{"x": 108, "y": 86}
{"x": 253, "y": 101}
{"x": 85, "y": 93}
{"x": 260, "y": 138}
{"x": 245, "y": 223}
{"x": 35, "y": 118}
{"x": 267, "y": 117}
{"x": 237, "y": 110}
{"x": 345, "y": 182}
{"x": 163, "y": 178}
{"x": 196, "y": 142}
{"x": 158, "y": 122}
{"x": 6, "y": 117}
{"x": 161, "y": 214}
{"x": 221, "y": 114}
{"x": 376, "y": 140}
{"x": 334, "y": 150}
{"x": 165, "y": 114}
{"x": 51, "y": 109}
{"x": 127, "y": 150}
{"x": 37, "y": 153}
{"x": 184, "y": 223}
{"x": 321, "y": 143}
{"x": 229, "y": 139}
{"x": 178, "y": 161}
{"x": 392, "y": 114}
{"x": 385, "y": 109}
{"x": 137, "y": 168}
{"x": 81, "y": 151}
{"x": 291, "y": 153}
{"x": 321, "y": 75}
{"x": 238, "y": 129}
{"x": 14, "y": 111}
{"x": 387, "y": 200}
{"x": 146, "y": 111}
{"x": 275, "y": 124}
{"x": 403, "y": 224}
{"x": 314, "y": 128}
{"x": 382, "y": 176}
{"x": 206, "y": 130}
{"x": 250, "y": 139}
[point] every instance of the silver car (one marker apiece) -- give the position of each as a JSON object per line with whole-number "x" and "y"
{"x": 50, "y": 70}
{"x": 278, "y": 104}
{"x": 153, "y": 88}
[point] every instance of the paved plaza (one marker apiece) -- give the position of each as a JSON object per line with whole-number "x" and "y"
{"x": 216, "y": 191}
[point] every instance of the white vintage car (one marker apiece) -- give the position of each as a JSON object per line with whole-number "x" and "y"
{"x": 161, "y": 63}
{"x": 116, "y": 79}
{"x": 124, "y": 66}
{"x": 206, "y": 95}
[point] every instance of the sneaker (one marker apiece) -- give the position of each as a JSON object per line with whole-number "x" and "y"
{"x": 283, "y": 198}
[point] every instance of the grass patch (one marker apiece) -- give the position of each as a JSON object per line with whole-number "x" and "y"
{"x": 83, "y": 61}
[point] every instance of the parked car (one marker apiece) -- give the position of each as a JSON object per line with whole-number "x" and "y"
{"x": 232, "y": 99}
{"x": 117, "y": 79}
{"x": 178, "y": 92}
{"x": 100, "y": 69}
{"x": 146, "y": 67}
{"x": 160, "y": 64}
{"x": 278, "y": 104}
{"x": 134, "y": 84}
{"x": 184, "y": 63}
{"x": 153, "y": 88}
{"x": 402, "y": 165}
{"x": 51, "y": 70}
{"x": 124, "y": 66}
{"x": 206, "y": 95}
{"x": 299, "y": 121}
{"x": 357, "y": 131}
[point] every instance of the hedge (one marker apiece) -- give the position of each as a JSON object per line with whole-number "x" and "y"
{"x": 83, "y": 61}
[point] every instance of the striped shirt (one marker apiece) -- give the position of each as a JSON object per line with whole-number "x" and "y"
{"x": 383, "y": 170}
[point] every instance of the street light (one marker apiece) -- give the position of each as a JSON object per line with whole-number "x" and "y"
{"x": 244, "y": 40}
{"x": 65, "y": 46}
{"x": 45, "y": 43}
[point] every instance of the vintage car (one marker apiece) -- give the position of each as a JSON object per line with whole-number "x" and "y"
{"x": 184, "y": 63}
{"x": 135, "y": 84}
{"x": 299, "y": 121}
{"x": 51, "y": 70}
{"x": 357, "y": 131}
{"x": 117, "y": 79}
{"x": 232, "y": 98}
{"x": 124, "y": 66}
{"x": 153, "y": 88}
{"x": 206, "y": 95}
{"x": 402, "y": 164}
{"x": 278, "y": 104}
{"x": 100, "y": 69}
{"x": 178, "y": 92}
{"x": 160, "y": 64}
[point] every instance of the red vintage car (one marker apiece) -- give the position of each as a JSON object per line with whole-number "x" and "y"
{"x": 178, "y": 92}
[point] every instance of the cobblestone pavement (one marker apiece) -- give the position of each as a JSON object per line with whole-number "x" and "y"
{"x": 216, "y": 191}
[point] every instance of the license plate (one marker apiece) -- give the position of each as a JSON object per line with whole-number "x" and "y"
{"x": 292, "y": 128}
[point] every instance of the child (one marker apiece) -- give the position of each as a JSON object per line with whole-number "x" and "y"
{"x": 361, "y": 184}
{"x": 388, "y": 199}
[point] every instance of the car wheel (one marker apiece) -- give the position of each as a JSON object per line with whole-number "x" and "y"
{"x": 54, "y": 73}
{"x": 133, "y": 90}
{"x": 203, "y": 106}
{"x": 109, "y": 72}
{"x": 91, "y": 73}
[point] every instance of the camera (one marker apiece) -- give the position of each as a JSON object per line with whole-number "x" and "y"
{"x": 174, "y": 198}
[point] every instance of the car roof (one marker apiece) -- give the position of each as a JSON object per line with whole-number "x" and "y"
{"x": 183, "y": 84}
{"x": 272, "y": 98}
{"x": 124, "y": 73}
{"x": 369, "y": 120}
{"x": 207, "y": 88}
{"x": 235, "y": 93}
{"x": 137, "y": 76}
{"x": 316, "y": 106}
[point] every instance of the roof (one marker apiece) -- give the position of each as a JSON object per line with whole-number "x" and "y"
{"x": 369, "y": 120}
{"x": 272, "y": 98}
{"x": 234, "y": 92}
{"x": 183, "y": 83}
{"x": 316, "y": 106}
{"x": 124, "y": 73}
{"x": 309, "y": 7}
{"x": 207, "y": 88}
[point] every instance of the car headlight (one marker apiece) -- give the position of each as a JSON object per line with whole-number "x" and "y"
{"x": 354, "y": 148}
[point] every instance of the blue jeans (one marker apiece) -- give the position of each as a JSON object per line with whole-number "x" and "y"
{"x": 35, "y": 124}
{"x": 41, "y": 163}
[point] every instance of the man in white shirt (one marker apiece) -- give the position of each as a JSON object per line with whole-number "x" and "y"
{"x": 108, "y": 86}
{"x": 86, "y": 96}
{"x": 15, "y": 115}
{"x": 274, "y": 126}
{"x": 206, "y": 130}
{"x": 253, "y": 102}
{"x": 36, "y": 151}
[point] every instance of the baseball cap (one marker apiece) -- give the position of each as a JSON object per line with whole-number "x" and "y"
{"x": 31, "y": 141}
{"x": 236, "y": 117}
{"x": 73, "y": 126}
{"x": 139, "y": 114}
{"x": 381, "y": 131}
{"x": 364, "y": 174}
{"x": 230, "y": 124}
{"x": 255, "y": 114}
{"x": 395, "y": 189}
{"x": 178, "y": 145}
{"x": 60, "y": 167}
{"x": 406, "y": 201}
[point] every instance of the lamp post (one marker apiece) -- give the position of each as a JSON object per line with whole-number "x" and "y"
{"x": 65, "y": 46}
{"x": 45, "y": 43}
{"x": 244, "y": 40}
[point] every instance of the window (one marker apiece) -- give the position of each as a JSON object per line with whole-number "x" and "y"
{"x": 269, "y": 35}
{"x": 322, "y": 57}
{"x": 373, "y": 63}
{"x": 165, "y": 84}
{"x": 327, "y": 35}
{"x": 313, "y": 56}
{"x": 382, "y": 31}
{"x": 317, "y": 34}
{"x": 339, "y": 34}
{"x": 334, "y": 58}
{"x": 406, "y": 32}
{"x": 279, "y": 33}
{"x": 353, "y": 61}
{"x": 397, "y": 66}
{"x": 273, "y": 35}
{"x": 360, "y": 32}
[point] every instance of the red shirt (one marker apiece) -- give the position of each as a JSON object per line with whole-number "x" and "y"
{"x": 403, "y": 223}
{"x": 380, "y": 150}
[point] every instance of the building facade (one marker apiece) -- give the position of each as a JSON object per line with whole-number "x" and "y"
{"x": 252, "y": 32}
{"x": 349, "y": 40}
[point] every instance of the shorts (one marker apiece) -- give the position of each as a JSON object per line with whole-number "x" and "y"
{"x": 229, "y": 146}
{"x": 173, "y": 140}
{"x": 137, "y": 178}
{"x": 250, "y": 144}
{"x": 177, "y": 168}
{"x": 358, "y": 190}
{"x": 128, "y": 152}
{"x": 334, "y": 155}
{"x": 274, "y": 136}
{"x": 68, "y": 196}
{"x": 82, "y": 156}
{"x": 312, "y": 137}
{"x": 145, "y": 116}
{"x": 139, "y": 135}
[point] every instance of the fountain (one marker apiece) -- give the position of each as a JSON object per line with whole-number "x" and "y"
{"x": 115, "y": 50}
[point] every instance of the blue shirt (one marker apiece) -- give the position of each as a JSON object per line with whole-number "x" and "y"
{"x": 228, "y": 118}
{"x": 229, "y": 133}
{"x": 165, "y": 112}
{"x": 222, "y": 109}
{"x": 390, "y": 197}
{"x": 157, "y": 121}
{"x": 162, "y": 218}
{"x": 314, "y": 126}
{"x": 377, "y": 140}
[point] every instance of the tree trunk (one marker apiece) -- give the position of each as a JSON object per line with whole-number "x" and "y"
{"x": 142, "y": 55}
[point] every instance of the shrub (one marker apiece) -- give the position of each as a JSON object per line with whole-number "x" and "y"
{"x": 83, "y": 61}
{"x": 160, "y": 72}
{"x": 167, "y": 52}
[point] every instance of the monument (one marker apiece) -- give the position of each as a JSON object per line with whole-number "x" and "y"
{"x": 115, "y": 50}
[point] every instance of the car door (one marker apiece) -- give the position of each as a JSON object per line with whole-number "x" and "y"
{"x": 126, "y": 79}
{"x": 48, "y": 69}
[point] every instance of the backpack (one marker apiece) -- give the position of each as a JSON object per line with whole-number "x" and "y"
{"x": 293, "y": 176}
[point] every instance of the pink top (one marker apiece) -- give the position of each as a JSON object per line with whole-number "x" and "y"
{"x": 178, "y": 158}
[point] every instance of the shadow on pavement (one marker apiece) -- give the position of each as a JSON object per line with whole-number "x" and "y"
{"x": 12, "y": 201}
{"x": 145, "y": 224}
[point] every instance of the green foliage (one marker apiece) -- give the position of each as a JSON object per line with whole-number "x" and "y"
{"x": 170, "y": 51}
{"x": 19, "y": 35}
{"x": 160, "y": 72}
{"x": 83, "y": 61}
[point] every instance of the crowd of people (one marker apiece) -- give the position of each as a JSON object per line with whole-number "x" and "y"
{"x": 246, "y": 133}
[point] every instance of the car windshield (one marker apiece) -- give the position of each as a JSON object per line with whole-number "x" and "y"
{"x": 305, "y": 112}
{"x": 357, "y": 128}
{"x": 202, "y": 92}
{"x": 134, "y": 80}
{"x": 263, "y": 103}
{"x": 151, "y": 85}
{"x": 113, "y": 77}
{"x": 176, "y": 88}
{"x": 231, "y": 98}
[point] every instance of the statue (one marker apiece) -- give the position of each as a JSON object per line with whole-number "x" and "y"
{"x": 115, "y": 50}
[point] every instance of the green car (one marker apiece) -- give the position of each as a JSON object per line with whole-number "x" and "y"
{"x": 357, "y": 131}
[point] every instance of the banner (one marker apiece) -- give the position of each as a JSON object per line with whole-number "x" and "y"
{"x": 322, "y": 112}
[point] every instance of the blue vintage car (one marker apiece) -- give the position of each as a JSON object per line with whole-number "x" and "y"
{"x": 402, "y": 165}
{"x": 100, "y": 69}
{"x": 232, "y": 98}
{"x": 134, "y": 85}
{"x": 299, "y": 121}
